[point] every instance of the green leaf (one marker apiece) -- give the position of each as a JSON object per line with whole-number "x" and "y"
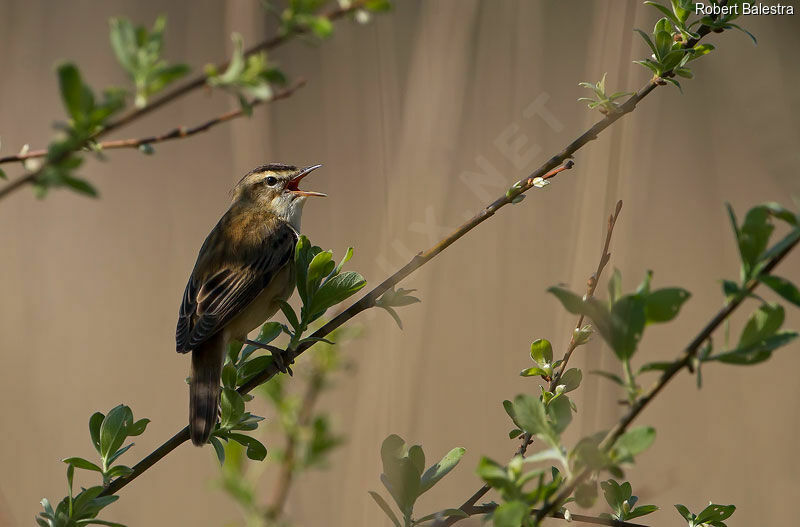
{"x": 746, "y": 32}
{"x": 754, "y": 236}
{"x": 715, "y": 513}
{"x": 560, "y": 412}
{"x": 320, "y": 267}
{"x": 510, "y": 514}
{"x": 530, "y": 415}
{"x": 218, "y": 449}
{"x": 400, "y": 476}
{"x": 542, "y": 351}
{"x": 335, "y": 290}
{"x": 627, "y": 324}
{"x": 634, "y": 441}
{"x": 663, "y": 45}
{"x": 647, "y": 41}
{"x": 757, "y": 351}
{"x": 683, "y": 511}
{"x": 119, "y": 471}
{"x": 591, "y": 308}
{"x": 533, "y": 372}
{"x": 3, "y": 174}
{"x": 385, "y": 507}
{"x": 80, "y": 186}
{"x": 79, "y": 462}
{"x": 783, "y": 287}
{"x": 255, "y": 449}
{"x": 322, "y": 27}
{"x": 113, "y": 429}
{"x": 782, "y": 213}
{"x": 95, "y": 421}
{"x": 440, "y": 469}
{"x": 765, "y": 321}
{"x": 377, "y": 6}
{"x": 641, "y": 511}
{"x": 253, "y": 367}
{"x": 571, "y": 379}
{"x": 231, "y": 406}
{"x": 663, "y": 305}
{"x": 616, "y": 494}
{"x": 138, "y": 427}
{"x": 229, "y": 376}
{"x": 118, "y": 453}
{"x": 77, "y": 97}
{"x": 291, "y": 316}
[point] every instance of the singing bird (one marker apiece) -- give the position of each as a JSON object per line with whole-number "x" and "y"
{"x": 245, "y": 268}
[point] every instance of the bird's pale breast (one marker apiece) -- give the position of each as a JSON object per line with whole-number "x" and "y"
{"x": 264, "y": 306}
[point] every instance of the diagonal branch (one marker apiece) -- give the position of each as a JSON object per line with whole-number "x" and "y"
{"x": 369, "y": 299}
{"x": 685, "y": 361}
{"x": 181, "y": 132}
{"x": 168, "y": 97}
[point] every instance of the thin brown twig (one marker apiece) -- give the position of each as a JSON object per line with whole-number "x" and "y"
{"x": 685, "y": 361}
{"x": 155, "y": 103}
{"x": 591, "y": 285}
{"x": 469, "y": 506}
{"x": 368, "y": 300}
{"x": 316, "y": 382}
{"x": 181, "y": 132}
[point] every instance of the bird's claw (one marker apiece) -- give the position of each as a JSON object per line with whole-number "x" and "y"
{"x": 280, "y": 363}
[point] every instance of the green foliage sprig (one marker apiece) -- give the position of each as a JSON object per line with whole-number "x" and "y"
{"x": 712, "y": 516}
{"x": 249, "y": 77}
{"x": 139, "y": 53}
{"x": 406, "y": 479}
{"x": 108, "y": 433}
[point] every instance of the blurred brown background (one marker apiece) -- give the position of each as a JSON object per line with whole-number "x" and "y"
{"x": 403, "y": 112}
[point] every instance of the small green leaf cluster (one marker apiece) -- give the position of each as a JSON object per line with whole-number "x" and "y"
{"x": 712, "y": 516}
{"x": 762, "y": 333}
{"x": 108, "y": 433}
{"x": 406, "y": 479}
{"x": 668, "y": 43}
{"x": 622, "y": 502}
{"x": 87, "y": 116}
{"x": 139, "y": 53}
{"x": 396, "y": 298}
{"x": 302, "y": 16}
{"x": 321, "y": 284}
{"x": 603, "y": 102}
{"x": 622, "y": 321}
{"x": 249, "y": 77}
{"x": 233, "y": 420}
{"x": 512, "y": 482}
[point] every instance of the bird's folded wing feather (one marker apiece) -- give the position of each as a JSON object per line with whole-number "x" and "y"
{"x": 212, "y": 299}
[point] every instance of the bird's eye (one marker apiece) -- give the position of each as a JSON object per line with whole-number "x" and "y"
{"x": 271, "y": 180}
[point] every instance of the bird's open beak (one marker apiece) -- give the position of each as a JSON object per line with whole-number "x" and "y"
{"x": 292, "y": 185}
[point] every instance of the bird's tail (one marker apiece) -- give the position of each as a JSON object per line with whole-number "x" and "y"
{"x": 204, "y": 388}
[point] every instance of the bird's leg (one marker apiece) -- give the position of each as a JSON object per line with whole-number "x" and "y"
{"x": 277, "y": 355}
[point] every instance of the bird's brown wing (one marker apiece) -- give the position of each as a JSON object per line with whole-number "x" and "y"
{"x": 211, "y": 300}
